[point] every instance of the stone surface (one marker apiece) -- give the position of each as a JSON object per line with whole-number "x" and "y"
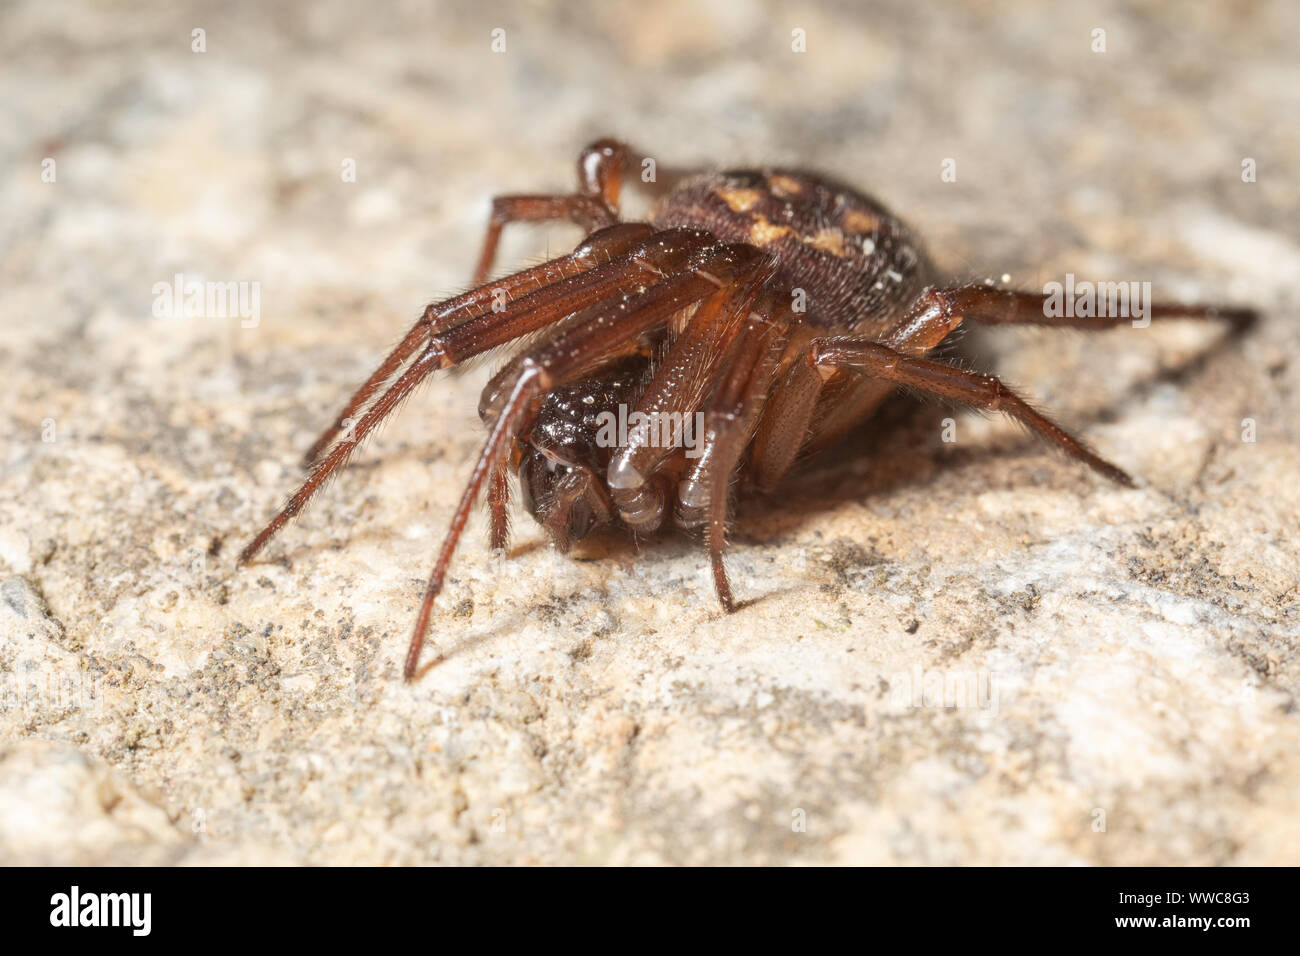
{"x": 1132, "y": 653}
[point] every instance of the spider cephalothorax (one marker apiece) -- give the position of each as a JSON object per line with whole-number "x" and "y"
{"x": 757, "y": 316}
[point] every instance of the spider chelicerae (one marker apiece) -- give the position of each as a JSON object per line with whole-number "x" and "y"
{"x": 778, "y": 308}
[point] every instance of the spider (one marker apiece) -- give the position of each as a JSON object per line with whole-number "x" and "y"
{"x": 777, "y": 307}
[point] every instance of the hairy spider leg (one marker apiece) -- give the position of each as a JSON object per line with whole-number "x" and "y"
{"x": 593, "y": 206}
{"x": 597, "y": 249}
{"x": 744, "y": 381}
{"x": 990, "y": 306}
{"x": 877, "y": 361}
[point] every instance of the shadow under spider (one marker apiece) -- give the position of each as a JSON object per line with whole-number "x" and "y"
{"x": 900, "y": 447}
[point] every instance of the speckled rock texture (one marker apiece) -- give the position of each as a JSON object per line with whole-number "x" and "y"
{"x": 970, "y": 651}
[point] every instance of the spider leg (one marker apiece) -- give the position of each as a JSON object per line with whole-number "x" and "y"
{"x": 594, "y": 205}
{"x": 499, "y": 506}
{"x": 982, "y": 391}
{"x": 924, "y": 325}
{"x": 786, "y": 419}
{"x": 803, "y": 413}
{"x": 990, "y": 306}
{"x": 732, "y": 415}
{"x": 677, "y": 390}
{"x": 598, "y": 248}
{"x": 586, "y": 211}
{"x": 583, "y": 346}
{"x": 630, "y": 272}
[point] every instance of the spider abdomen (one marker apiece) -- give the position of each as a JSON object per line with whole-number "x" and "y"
{"x": 849, "y": 263}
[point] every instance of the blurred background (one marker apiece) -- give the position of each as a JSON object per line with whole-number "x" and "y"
{"x": 340, "y": 157}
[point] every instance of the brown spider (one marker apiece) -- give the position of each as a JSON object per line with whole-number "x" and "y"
{"x": 781, "y": 306}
